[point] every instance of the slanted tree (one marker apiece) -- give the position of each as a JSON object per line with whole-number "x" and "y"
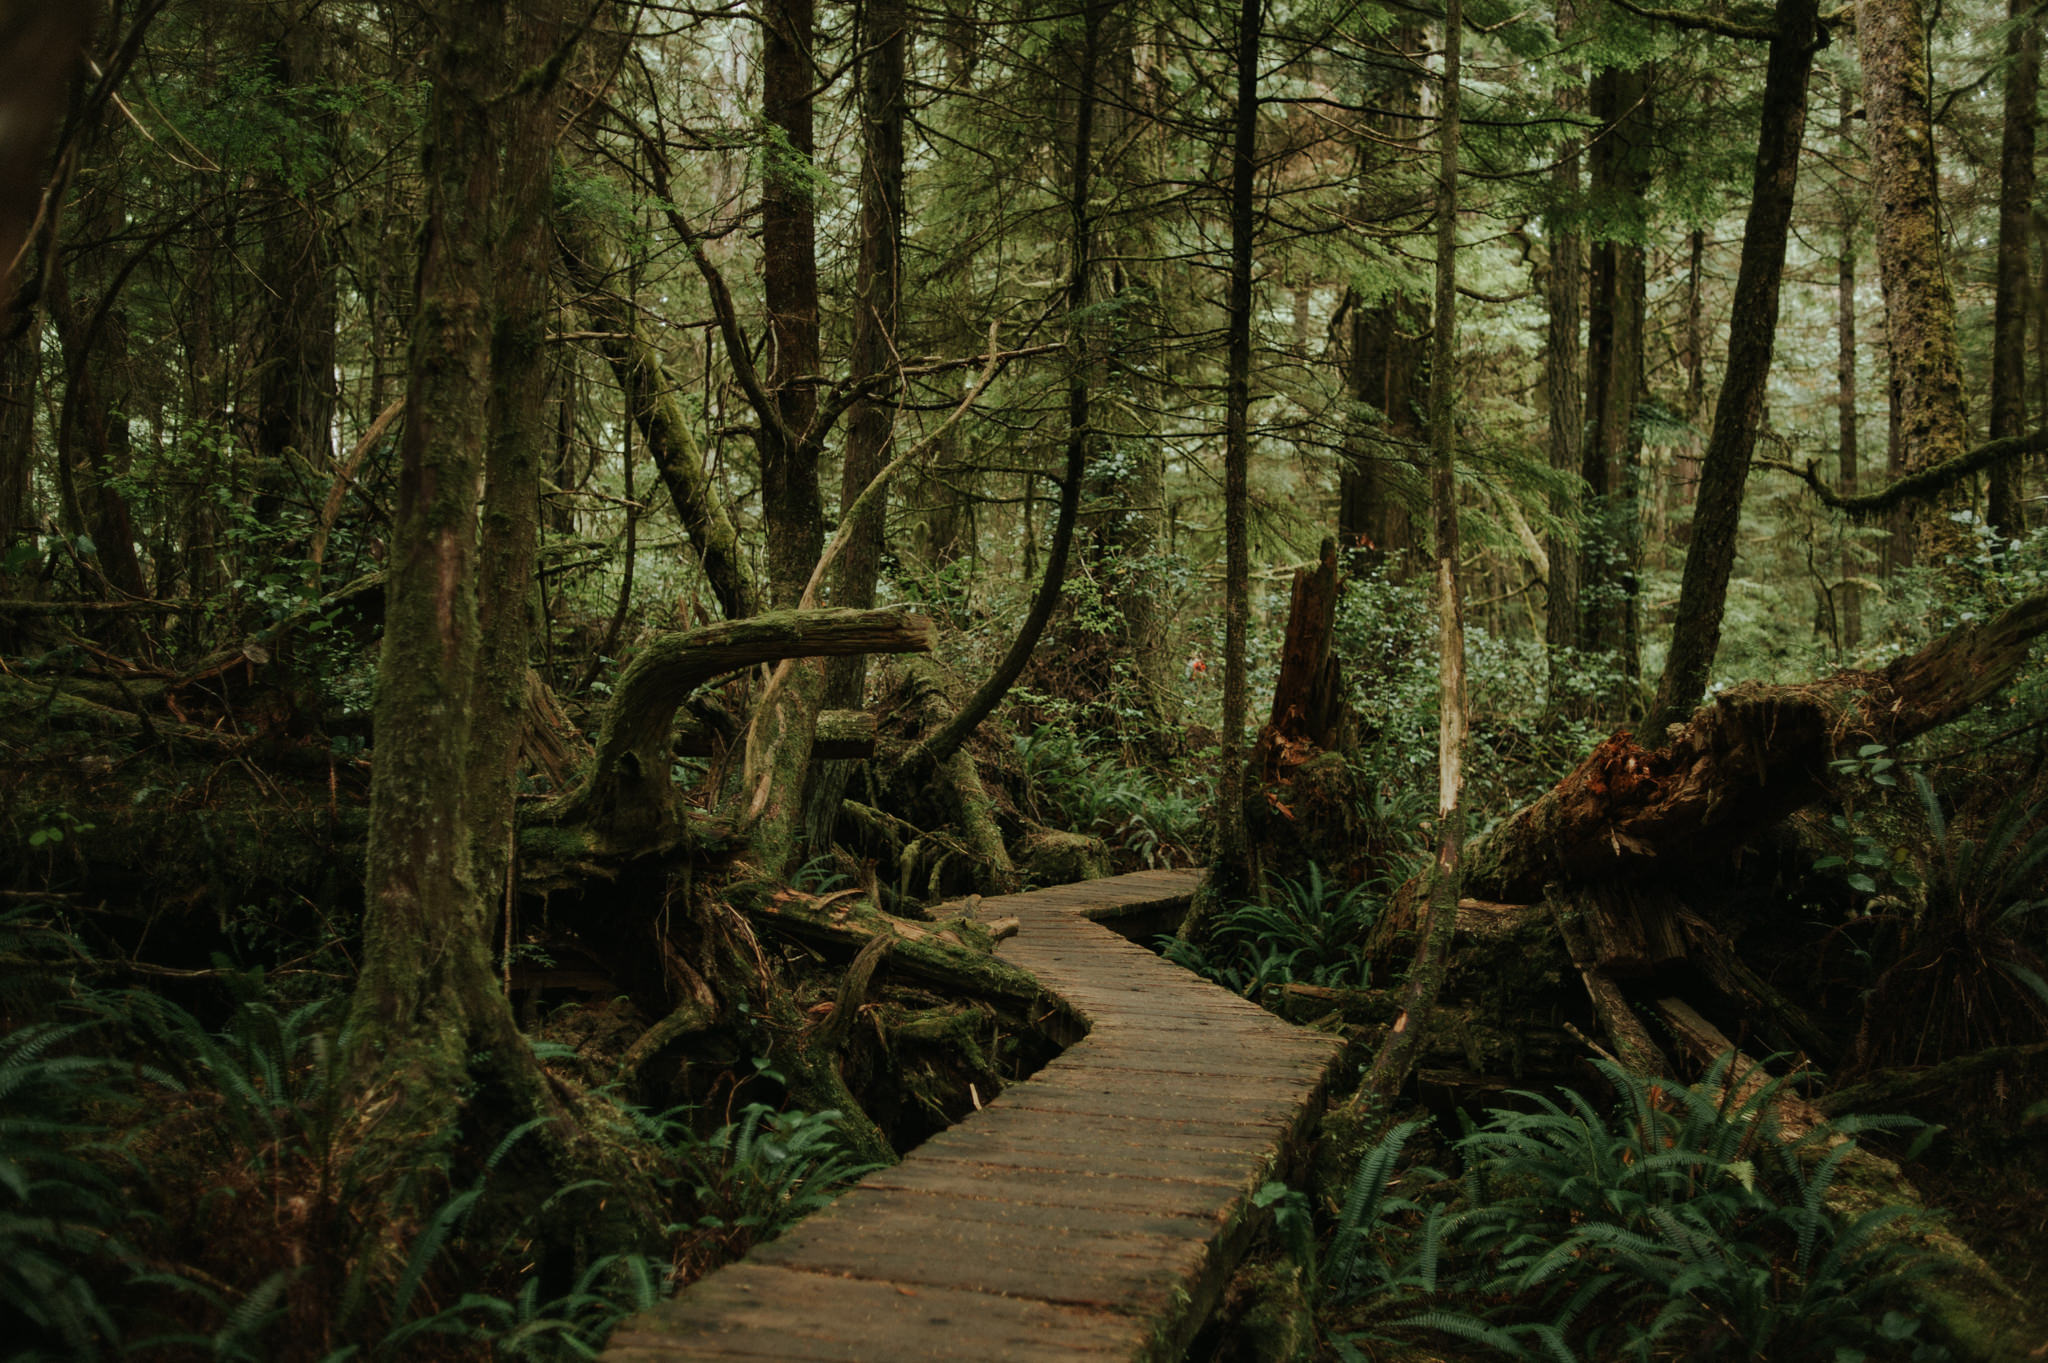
{"x": 1724, "y": 469}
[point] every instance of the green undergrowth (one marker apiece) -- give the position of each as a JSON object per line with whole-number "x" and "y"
{"x": 1306, "y": 931}
{"x": 178, "y": 1190}
{"x": 1672, "y": 1222}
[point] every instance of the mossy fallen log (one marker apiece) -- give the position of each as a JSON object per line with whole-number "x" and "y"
{"x": 1741, "y": 763}
{"x": 1984, "y": 1319}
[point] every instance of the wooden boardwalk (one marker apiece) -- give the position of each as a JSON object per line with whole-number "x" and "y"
{"x": 1093, "y": 1211}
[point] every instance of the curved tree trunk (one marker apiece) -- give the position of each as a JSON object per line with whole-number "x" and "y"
{"x": 627, "y": 796}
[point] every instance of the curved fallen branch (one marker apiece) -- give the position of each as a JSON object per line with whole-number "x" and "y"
{"x": 627, "y": 795}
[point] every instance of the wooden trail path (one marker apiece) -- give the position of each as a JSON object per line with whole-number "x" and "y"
{"x": 1091, "y": 1212}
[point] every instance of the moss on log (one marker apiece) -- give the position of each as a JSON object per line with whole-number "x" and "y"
{"x": 627, "y": 796}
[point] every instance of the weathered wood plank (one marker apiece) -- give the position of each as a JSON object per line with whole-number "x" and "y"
{"x": 1093, "y": 1211}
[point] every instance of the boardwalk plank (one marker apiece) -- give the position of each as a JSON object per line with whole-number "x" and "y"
{"x": 1091, "y": 1212}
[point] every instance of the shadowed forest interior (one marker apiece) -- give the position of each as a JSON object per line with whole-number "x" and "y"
{"x": 552, "y": 556}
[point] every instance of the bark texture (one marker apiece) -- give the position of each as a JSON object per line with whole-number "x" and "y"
{"x": 2015, "y": 219}
{"x": 1920, "y": 310}
{"x": 1738, "y": 765}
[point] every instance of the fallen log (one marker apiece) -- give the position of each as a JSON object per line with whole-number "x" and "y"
{"x": 627, "y": 795}
{"x": 1741, "y": 763}
{"x": 1983, "y": 1317}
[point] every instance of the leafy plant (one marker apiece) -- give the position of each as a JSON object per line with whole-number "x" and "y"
{"x": 1067, "y": 785}
{"x": 1681, "y": 1223}
{"x": 60, "y": 1213}
{"x": 1965, "y": 968}
{"x": 1310, "y": 931}
{"x": 755, "y": 1177}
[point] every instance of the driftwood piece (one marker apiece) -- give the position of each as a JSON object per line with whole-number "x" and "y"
{"x": 1979, "y": 1311}
{"x": 627, "y": 793}
{"x": 1739, "y": 764}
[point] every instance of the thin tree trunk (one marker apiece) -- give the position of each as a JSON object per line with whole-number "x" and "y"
{"x": 1920, "y": 313}
{"x": 1232, "y": 864}
{"x": 1614, "y": 363}
{"x": 1564, "y": 292}
{"x": 1724, "y": 471}
{"x": 871, "y": 422}
{"x": 1849, "y": 456}
{"x": 2015, "y": 218}
{"x": 1425, "y": 978}
{"x": 519, "y": 434}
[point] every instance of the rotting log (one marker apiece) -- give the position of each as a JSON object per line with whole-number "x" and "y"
{"x": 1741, "y": 763}
{"x": 957, "y": 954}
{"x": 627, "y": 795}
{"x": 1983, "y": 1317}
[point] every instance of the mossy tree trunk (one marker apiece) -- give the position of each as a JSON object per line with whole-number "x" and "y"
{"x": 2015, "y": 219}
{"x": 434, "y": 1057}
{"x": 1920, "y": 309}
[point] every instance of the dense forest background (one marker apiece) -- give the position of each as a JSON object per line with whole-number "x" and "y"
{"x": 546, "y": 549}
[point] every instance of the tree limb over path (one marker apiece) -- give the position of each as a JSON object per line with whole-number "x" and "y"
{"x": 1739, "y": 764}
{"x": 627, "y": 794}
{"x": 1922, "y": 483}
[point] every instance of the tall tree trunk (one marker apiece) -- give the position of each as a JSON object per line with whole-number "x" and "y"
{"x": 432, "y": 1044}
{"x": 2015, "y": 217}
{"x": 1385, "y": 372}
{"x": 296, "y": 346}
{"x": 1724, "y": 470}
{"x": 1564, "y": 291}
{"x": 1614, "y": 375}
{"x": 791, "y": 506}
{"x": 1920, "y": 312}
{"x": 871, "y": 422}
{"x": 1132, "y": 665}
{"x": 1425, "y": 978}
{"x": 1232, "y": 865}
{"x": 520, "y": 436}
{"x": 1695, "y": 364}
{"x": 1849, "y": 597}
